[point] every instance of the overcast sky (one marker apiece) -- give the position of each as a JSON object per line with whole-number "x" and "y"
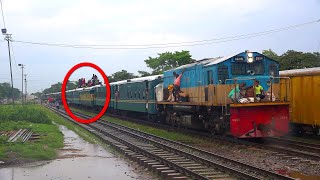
{"x": 98, "y": 22}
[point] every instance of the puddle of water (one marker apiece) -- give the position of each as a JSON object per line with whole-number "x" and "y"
{"x": 299, "y": 175}
{"x": 77, "y": 160}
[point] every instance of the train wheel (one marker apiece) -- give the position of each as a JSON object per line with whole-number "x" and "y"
{"x": 316, "y": 131}
{"x": 298, "y": 130}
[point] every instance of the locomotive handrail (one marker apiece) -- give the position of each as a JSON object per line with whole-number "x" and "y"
{"x": 272, "y": 77}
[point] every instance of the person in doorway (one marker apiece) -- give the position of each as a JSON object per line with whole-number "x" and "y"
{"x": 258, "y": 89}
{"x": 170, "y": 89}
{"x": 176, "y": 85}
{"x": 57, "y": 104}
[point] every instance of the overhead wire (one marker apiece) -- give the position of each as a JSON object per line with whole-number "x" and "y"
{"x": 171, "y": 44}
{"x": 14, "y": 59}
{"x": 4, "y": 22}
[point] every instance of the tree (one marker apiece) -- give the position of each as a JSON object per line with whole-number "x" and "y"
{"x": 57, "y": 87}
{"x": 144, "y": 73}
{"x": 121, "y": 75}
{"x": 37, "y": 94}
{"x": 297, "y": 60}
{"x": 168, "y": 60}
{"x": 5, "y": 91}
{"x": 294, "y": 59}
{"x": 271, "y": 54}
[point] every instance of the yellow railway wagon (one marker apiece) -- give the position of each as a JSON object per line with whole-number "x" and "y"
{"x": 304, "y": 95}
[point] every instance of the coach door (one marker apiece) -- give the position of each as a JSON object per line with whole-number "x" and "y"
{"x": 147, "y": 95}
{"x": 116, "y": 96}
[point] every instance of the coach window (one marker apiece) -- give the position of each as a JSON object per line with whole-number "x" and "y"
{"x": 223, "y": 73}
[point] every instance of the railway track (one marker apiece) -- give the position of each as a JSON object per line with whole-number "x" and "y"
{"x": 297, "y": 148}
{"x": 283, "y": 147}
{"x": 175, "y": 159}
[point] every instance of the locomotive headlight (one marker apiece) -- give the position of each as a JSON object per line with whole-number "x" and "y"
{"x": 250, "y": 59}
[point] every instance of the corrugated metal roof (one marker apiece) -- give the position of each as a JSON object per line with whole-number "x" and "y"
{"x": 147, "y": 78}
{"x": 140, "y": 79}
{"x": 301, "y": 72}
{"x": 203, "y": 61}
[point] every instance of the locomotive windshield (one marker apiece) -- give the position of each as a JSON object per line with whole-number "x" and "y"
{"x": 256, "y": 68}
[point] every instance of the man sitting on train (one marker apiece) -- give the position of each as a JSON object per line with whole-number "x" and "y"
{"x": 258, "y": 90}
{"x": 239, "y": 93}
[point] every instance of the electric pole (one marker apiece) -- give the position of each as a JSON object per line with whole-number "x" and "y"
{"x": 22, "y": 66}
{"x": 8, "y": 39}
{"x": 25, "y": 91}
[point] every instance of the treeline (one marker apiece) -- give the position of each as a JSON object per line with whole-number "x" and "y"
{"x": 168, "y": 60}
{"x": 5, "y": 91}
{"x": 57, "y": 87}
{"x": 294, "y": 59}
{"x": 163, "y": 62}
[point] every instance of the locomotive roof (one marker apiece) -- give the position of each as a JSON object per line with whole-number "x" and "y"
{"x": 301, "y": 72}
{"x": 219, "y": 60}
{"x": 210, "y": 61}
{"x": 203, "y": 61}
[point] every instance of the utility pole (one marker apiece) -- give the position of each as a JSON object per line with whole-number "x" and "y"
{"x": 22, "y": 66}
{"x": 25, "y": 91}
{"x": 8, "y": 39}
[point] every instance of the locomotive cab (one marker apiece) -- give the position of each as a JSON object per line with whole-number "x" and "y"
{"x": 255, "y": 113}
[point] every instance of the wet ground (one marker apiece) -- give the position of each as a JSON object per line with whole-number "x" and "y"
{"x": 77, "y": 160}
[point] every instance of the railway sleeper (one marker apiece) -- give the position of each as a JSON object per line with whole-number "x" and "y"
{"x": 145, "y": 163}
{"x": 177, "y": 159}
{"x": 187, "y": 163}
{"x": 154, "y": 167}
{"x": 174, "y": 175}
{"x": 164, "y": 173}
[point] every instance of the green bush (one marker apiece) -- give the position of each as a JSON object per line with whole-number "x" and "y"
{"x": 3, "y": 139}
{"x": 29, "y": 113}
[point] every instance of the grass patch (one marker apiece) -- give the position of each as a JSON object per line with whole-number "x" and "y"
{"x": 39, "y": 119}
{"x": 29, "y": 113}
{"x": 45, "y": 148}
{"x": 175, "y": 136}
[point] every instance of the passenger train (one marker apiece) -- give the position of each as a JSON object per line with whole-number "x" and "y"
{"x": 205, "y": 104}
